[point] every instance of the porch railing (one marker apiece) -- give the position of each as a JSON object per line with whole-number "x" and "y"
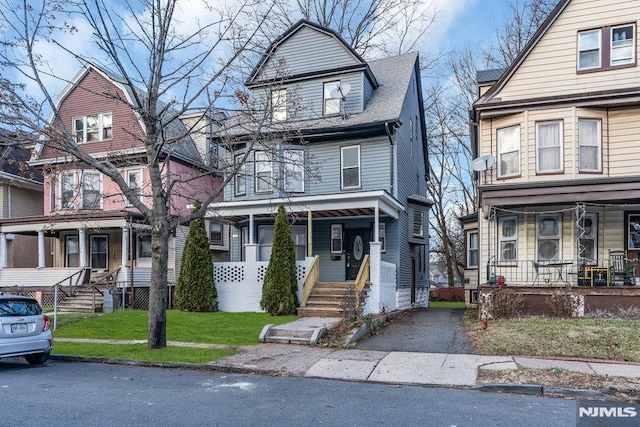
{"x": 553, "y": 273}
{"x": 310, "y": 279}
{"x": 362, "y": 278}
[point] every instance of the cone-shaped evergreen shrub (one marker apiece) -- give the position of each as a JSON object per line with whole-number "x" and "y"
{"x": 280, "y": 288}
{"x": 196, "y": 290}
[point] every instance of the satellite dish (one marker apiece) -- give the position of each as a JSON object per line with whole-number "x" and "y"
{"x": 483, "y": 163}
{"x": 341, "y": 91}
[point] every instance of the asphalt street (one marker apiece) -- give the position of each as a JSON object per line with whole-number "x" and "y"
{"x": 424, "y": 330}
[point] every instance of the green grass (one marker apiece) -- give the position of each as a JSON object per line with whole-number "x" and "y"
{"x": 69, "y": 318}
{"x": 231, "y": 329}
{"x": 227, "y": 329}
{"x": 446, "y": 304}
{"x": 140, "y": 352}
{"x": 593, "y": 338}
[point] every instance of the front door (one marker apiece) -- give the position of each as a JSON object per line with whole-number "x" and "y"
{"x": 357, "y": 247}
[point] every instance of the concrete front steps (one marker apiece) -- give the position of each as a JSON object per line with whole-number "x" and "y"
{"x": 304, "y": 331}
{"x": 83, "y": 301}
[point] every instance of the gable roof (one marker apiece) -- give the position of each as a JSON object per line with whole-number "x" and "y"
{"x": 295, "y": 28}
{"x": 184, "y": 148}
{"x": 508, "y": 73}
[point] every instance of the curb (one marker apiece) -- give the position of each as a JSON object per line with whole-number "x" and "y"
{"x": 540, "y": 390}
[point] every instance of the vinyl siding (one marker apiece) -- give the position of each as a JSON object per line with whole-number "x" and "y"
{"x": 25, "y": 202}
{"x": 307, "y": 51}
{"x": 550, "y": 69}
{"x": 620, "y": 150}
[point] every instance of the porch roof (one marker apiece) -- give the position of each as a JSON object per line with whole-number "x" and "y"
{"x": 322, "y": 206}
{"x": 55, "y": 224}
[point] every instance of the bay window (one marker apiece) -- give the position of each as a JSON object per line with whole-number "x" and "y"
{"x": 263, "y": 172}
{"x": 293, "y": 171}
{"x": 472, "y": 249}
{"x": 91, "y": 190}
{"x": 350, "y": 164}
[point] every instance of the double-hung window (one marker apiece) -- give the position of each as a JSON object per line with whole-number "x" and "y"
{"x": 99, "y": 251}
{"x": 589, "y": 49}
{"x": 216, "y": 233}
{"x": 508, "y": 151}
{"x": 279, "y": 104}
{"x": 293, "y": 171}
{"x": 472, "y": 249}
{"x": 549, "y": 234}
{"x": 418, "y": 223}
{"x": 67, "y": 190}
{"x": 91, "y": 190}
{"x": 508, "y": 239}
{"x": 622, "y": 45}
{"x": 336, "y": 239}
{"x": 93, "y": 127}
{"x": 590, "y": 142}
{"x": 331, "y": 104}
{"x": 240, "y": 184}
{"x": 72, "y": 251}
{"x": 134, "y": 181}
{"x": 350, "y": 164}
{"x": 264, "y": 172}
{"x": 549, "y": 147}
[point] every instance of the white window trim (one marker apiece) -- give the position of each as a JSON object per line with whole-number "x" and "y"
{"x": 338, "y": 229}
{"x": 267, "y": 162}
{"x": 418, "y": 220}
{"x": 599, "y": 31}
{"x": 594, "y": 236}
{"x": 343, "y": 168}
{"x": 501, "y": 173}
{"x": 74, "y": 190}
{"x": 101, "y": 127}
{"x": 127, "y": 173}
{"x": 66, "y": 249}
{"x": 222, "y": 234}
{"x": 83, "y": 174}
{"x": 291, "y": 166}
{"x": 633, "y": 45}
{"x": 326, "y": 97}
{"x": 558, "y": 218}
{"x": 560, "y": 147}
{"x": 279, "y": 105}
{"x": 599, "y": 146}
{"x": 382, "y": 236}
{"x": 241, "y": 176}
{"x": 469, "y": 248}
{"x": 502, "y": 239}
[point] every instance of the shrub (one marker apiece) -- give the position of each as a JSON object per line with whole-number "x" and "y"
{"x": 280, "y": 287}
{"x": 501, "y": 302}
{"x": 563, "y": 304}
{"x": 195, "y": 288}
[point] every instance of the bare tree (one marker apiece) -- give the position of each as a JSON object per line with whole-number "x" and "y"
{"x": 169, "y": 67}
{"x": 519, "y": 26}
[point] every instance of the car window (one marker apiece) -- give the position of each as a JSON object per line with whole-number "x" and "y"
{"x": 19, "y": 307}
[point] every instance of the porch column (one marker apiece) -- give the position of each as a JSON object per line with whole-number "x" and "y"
{"x": 251, "y": 241}
{"x": 82, "y": 247}
{"x": 3, "y": 250}
{"x": 41, "y": 250}
{"x": 376, "y": 299}
{"x": 125, "y": 246}
{"x": 376, "y": 223}
{"x": 309, "y": 235}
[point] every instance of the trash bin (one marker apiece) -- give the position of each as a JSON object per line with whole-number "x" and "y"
{"x": 112, "y": 300}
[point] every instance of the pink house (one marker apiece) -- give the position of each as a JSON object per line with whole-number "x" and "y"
{"x": 97, "y": 236}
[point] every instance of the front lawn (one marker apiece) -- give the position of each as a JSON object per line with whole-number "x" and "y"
{"x": 592, "y": 338}
{"x": 225, "y": 329}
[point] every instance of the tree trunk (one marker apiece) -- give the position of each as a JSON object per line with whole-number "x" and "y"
{"x": 157, "y": 338}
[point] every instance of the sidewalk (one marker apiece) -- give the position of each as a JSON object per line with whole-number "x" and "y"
{"x": 433, "y": 369}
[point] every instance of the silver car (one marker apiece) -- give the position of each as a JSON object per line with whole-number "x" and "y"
{"x": 24, "y": 329}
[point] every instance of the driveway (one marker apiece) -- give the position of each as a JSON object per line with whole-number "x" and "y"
{"x": 425, "y": 330}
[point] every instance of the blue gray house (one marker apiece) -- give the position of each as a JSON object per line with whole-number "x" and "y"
{"x": 346, "y": 156}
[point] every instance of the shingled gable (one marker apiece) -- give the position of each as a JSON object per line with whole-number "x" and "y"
{"x": 310, "y": 61}
{"x": 183, "y": 149}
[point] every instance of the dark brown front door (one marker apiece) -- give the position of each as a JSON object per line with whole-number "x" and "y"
{"x": 357, "y": 241}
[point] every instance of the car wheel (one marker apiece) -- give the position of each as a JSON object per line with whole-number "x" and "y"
{"x": 37, "y": 359}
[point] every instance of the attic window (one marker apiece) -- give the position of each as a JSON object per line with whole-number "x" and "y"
{"x": 93, "y": 127}
{"x": 606, "y": 48}
{"x": 331, "y": 105}
{"x": 279, "y": 105}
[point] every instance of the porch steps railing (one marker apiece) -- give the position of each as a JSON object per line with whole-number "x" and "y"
{"x": 84, "y": 300}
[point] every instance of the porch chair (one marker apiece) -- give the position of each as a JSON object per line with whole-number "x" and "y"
{"x": 619, "y": 267}
{"x": 541, "y": 270}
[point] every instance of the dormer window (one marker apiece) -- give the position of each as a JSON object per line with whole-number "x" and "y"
{"x": 331, "y": 105}
{"x": 92, "y": 128}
